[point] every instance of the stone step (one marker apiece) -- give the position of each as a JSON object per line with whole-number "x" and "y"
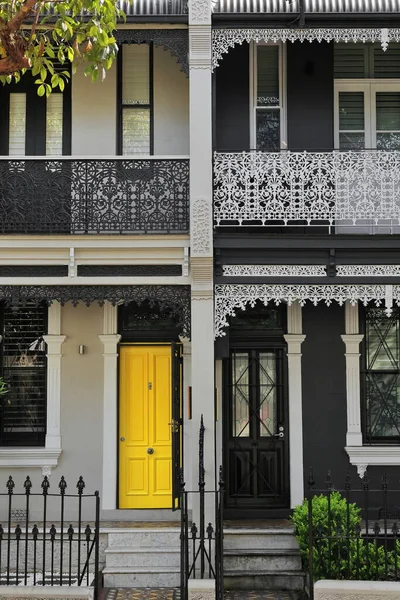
{"x": 279, "y": 538}
{"x": 126, "y": 556}
{"x": 263, "y": 580}
{"x": 145, "y": 538}
{"x": 264, "y": 559}
{"x": 141, "y": 577}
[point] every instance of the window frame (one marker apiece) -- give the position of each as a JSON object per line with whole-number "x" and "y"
{"x": 376, "y": 440}
{"x": 253, "y": 93}
{"x": 121, "y": 107}
{"x": 369, "y": 87}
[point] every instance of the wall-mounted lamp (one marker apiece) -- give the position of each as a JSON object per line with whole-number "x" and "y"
{"x": 82, "y": 349}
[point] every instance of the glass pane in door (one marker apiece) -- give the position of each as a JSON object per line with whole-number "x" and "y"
{"x": 351, "y": 121}
{"x": 388, "y": 120}
{"x": 240, "y": 395}
{"x": 267, "y": 414}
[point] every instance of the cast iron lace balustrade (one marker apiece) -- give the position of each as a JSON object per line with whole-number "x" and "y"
{"x": 119, "y": 195}
{"x": 341, "y": 189}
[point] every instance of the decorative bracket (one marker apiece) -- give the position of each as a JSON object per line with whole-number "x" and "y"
{"x": 174, "y": 40}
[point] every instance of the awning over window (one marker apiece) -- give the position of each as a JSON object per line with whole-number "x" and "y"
{"x": 310, "y": 6}
{"x": 154, "y": 7}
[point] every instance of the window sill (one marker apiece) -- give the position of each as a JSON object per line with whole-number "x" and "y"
{"x": 46, "y": 458}
{"x": 370, "y": 456}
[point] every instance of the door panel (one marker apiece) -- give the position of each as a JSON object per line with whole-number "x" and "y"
{"x": 255, "y": 430}
{"x": 145, "y": 453}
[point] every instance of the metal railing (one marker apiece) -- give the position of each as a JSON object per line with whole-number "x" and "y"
{"x": 353, "y": 531}
{"x": 43, "y": 550}
{"x": 98, "y": 195}
{"x": 345, "y": 190}
{"x": 202, "y": 546}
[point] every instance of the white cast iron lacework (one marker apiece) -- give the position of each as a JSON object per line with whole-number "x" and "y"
{"x": 223, "y": 39}
{"x": 230, "y": 297}
{"x": 368, "y": 270}
{"x": 274, "y": 270}
{"x": 309, "y": 188}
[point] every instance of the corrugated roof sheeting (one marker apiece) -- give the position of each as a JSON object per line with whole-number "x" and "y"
{"x": 311, "y": 6}
{"x": 154, "y": 7}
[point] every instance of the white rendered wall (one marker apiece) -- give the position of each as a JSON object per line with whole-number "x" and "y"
{"x": 171, "y": 105}
{"x": 94, "y": 110}
{"x": 94, "y": 114}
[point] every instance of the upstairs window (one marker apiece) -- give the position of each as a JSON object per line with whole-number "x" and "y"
{"x": 381, "y": 376}
{"x": 24, "y": 368}
{"x": 367, "y": 97}
{"x": 267, "y": 98}
{"x": 31, "y": 125}
{"x": 136, "y": 99}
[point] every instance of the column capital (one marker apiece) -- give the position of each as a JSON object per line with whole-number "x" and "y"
{"x": 53, "y": 341}
{"x": 110, "y": 342}
{"x": 294, "y": 341}
{"x": 352, "y": 342}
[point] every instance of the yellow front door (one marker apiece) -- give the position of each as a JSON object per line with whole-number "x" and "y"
{"x": 145, "y": 452}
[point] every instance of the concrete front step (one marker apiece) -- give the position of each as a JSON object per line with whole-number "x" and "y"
{"x": 265, "y": 559}
{"x": 145, "y": 538}
{"x": 264, "y": 580}
{"x": 125, "y": 556}
{"x": 141, "y": 577}
{"x": 274, "y": 538}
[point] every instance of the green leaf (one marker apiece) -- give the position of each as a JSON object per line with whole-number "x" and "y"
{"x": 41, "y": 90}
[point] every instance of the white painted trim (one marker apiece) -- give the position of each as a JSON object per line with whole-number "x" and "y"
{"x": 355, "y": 590}
{"x": 98, "y": 158}
{"x": 110, "y": 340}
{"x": 374, "y": 455}
{"x": 282, "y": 92}
{"x": 54, "y": 355}
{"x": 294, "y": 341}
{"x": 29, "y": 457}
{"x": 51, "y": 592}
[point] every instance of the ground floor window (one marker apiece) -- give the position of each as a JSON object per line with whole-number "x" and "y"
{"x": 381, "y": 376}
{"x": 24, "y": 369}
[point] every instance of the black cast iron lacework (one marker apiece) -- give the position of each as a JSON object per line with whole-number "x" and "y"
{"x": 172, "y": 298}
{"x": 382, "y": 375}
{"x": 174, "y": 40}
{"x": 94, "y": 196}
{"x": 23, "y": 408}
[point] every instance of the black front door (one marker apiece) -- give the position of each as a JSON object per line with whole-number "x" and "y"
{"x": 256, "y": 429}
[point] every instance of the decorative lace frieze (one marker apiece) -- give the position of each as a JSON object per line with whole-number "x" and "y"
{"x": 223, "y": 39}
{"x": 274, "y": 270}
{"x": 368, "y": 270}
{"x": 308, "y": 188}
{"x": 231, "y": 297}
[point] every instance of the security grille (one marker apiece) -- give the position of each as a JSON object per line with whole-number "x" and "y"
{"x": 23, "y": 407}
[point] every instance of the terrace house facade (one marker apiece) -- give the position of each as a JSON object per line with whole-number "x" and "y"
{"x": 212, "y": 231}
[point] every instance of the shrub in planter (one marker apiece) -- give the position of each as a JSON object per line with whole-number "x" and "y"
{"x": 339, "y": 551}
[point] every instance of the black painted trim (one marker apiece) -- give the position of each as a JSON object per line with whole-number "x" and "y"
{"x": 121, "y": 107}
{"x": 252, "y": 239}
{"x": 320, "y": 20}
{"x": 128, "y": 270}
{"x": 34, "y": 271}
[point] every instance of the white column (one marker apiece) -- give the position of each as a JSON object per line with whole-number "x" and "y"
{"x": 54, "y": 343}
{"x": 110, "y": 341}
{"x": 201, "y": 241}
{"x": 352, "y": 340}
{"x": 294, "y": 338}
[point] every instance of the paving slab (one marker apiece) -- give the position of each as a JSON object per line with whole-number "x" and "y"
{"x": 174, "y": 594}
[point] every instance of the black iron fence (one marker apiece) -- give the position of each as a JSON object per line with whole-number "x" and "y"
{"x": 202, "y": 544}
{"x": 45, "y": 551}
{"x": 351, "y": 532}
{"x": 121, "y": 195}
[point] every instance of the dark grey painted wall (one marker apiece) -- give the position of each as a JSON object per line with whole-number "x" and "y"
{"x": 324, "y": 392}
{"x": 232, "y": 107}
{"x": 310, "y": 96}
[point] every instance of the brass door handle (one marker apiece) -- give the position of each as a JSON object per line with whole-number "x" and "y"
{"x": 122, "y": 439}
{"x": 150, "y": 450}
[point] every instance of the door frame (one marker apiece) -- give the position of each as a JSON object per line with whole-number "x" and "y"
{"x": 257, "y": 512}
{"x": 143, "y": 345}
